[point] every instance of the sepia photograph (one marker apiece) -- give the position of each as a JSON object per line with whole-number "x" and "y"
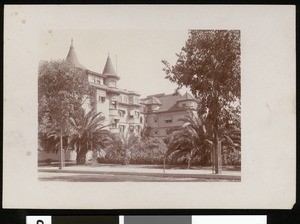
{"x": 116, "y": 109}
{"x": 149, "y": 107}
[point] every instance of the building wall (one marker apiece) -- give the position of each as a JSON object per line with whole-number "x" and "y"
{"x": 122, "y": 110}
{"x": 103, "y": 104}
{"x": 161, "y": 123}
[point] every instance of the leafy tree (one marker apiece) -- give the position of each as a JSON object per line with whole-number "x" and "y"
{"x": 87, "y": 132}
{"x": 209, "y": 64}
{"x": 62, "y": 91}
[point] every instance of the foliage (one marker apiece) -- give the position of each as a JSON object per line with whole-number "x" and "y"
{"x": 192, "y": 145}
{"x": 87, "y": 132}
{"x": 189, "y": 142}
{"x": 231, "y": 148}
{"x": 209, "y": 64}
{"x": 129, "y": 148}
{"x": 62, "y": 91}
{"x": 148, "y": 151}
{"x": 120, "y": 146}
{"x": 50, "y": 141}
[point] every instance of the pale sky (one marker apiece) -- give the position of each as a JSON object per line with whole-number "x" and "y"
{"x": 139, "y": 54}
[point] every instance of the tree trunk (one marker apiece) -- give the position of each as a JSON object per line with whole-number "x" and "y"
{"x": 189, "y": 163}
{"x": 81, "y": 157}
{"x": 61, "y": 154}
{"x": 213, "y": 156}
{"x": 217, "y": 154}
{"x": 216, "y": 142}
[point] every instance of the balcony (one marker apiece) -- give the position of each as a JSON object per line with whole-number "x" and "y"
{"x": 113, "y": 112}
{"x": 114, "y": 130}
{"x": 134, "y": 121}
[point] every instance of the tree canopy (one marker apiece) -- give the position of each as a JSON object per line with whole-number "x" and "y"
{"x": 209, "y": 64}
{"x": 63, "y": 89}
{"x": 87, "y": 132}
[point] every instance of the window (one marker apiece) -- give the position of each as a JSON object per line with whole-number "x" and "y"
{"x": 114, "y": 123}
{"x": 122, "y": 128}
{"x": 98, "y": 80}
{"x": 137, "y": 114}
{"x": 114, "y": 104}
{"x": 132, "y": 113}
{"x": 169, "y": 121}
{"x": 131, "y": 128}
{"x": 112, "y": 84}
{"x": 137, "y": 128}
{"x": 101, "y": 99}
{"x": 155, "y": 119}
{"x": 141, "y": 120}
{"x": 121, "y": 113}
{"x": 136, "y": 100}
{"x": 130, "y": 100}
{"x": 125, "y": 99}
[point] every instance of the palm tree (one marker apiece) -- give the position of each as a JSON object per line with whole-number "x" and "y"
{"x": 195, "y": 140}
{"x": 87, "y": 133}
{"x": 231, "y": 147}
{"x": 189, "y": 141}
{"x": 122, "y": 145}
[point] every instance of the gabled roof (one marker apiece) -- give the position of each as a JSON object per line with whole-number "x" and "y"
{"x": 169, "y": 102}
{"x": 72, "y": 57}
{"x": 109, "y": 69}
{"x": 166, "y": 102}
{"x": 153, "y": 101}
{"x": 187, "y": 97}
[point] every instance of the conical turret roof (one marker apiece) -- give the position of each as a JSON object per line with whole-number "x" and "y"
{"x": 109, "y": 69}
{"x": 72, "y": 57}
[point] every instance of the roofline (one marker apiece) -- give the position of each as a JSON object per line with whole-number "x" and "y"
{"x": 166, "y": 111}
{"x": 112, "y": 76}
{"x": 129, "y": 92}
{"x": 96, "y": 73}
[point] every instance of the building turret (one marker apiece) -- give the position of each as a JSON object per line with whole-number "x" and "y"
{"x": 109, "y": 70}
{"x": 72, "y": 57}
{"x": 110, "y": 74}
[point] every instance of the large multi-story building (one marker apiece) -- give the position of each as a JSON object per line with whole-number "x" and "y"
{"x": 125, "y": 111}
{"x": 121, "y": 107}
{"x": 164, "y": 113}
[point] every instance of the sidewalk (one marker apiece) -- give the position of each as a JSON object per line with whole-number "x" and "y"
{"x": 143, "y": 171}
